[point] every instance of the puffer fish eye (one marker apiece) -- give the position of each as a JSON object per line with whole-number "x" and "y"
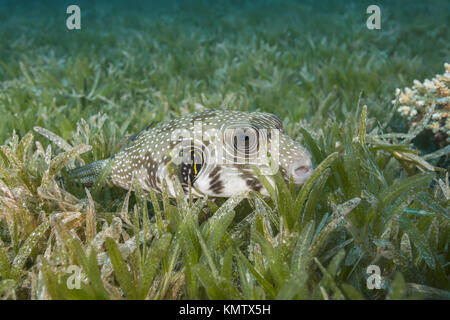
{"x": 191, "y": 165}
{"x": 245, "y": 140}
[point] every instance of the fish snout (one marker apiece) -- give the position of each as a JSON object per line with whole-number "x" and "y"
{"x": 301, "y": 170}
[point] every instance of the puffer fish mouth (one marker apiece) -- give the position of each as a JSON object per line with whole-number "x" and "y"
{"x": 301, "y": 169}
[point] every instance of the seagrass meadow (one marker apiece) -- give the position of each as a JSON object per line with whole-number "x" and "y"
{"x": 379, "y": 195}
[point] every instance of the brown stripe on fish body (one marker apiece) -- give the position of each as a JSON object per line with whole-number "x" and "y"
{"x": 254, "y": 184}
{"x": 215, "y": 184}
{"x": 250, "y": 179}
{"x": 217, "y": 187}
{"x": 284, "y": 174}
{"x": 214, "y": 172}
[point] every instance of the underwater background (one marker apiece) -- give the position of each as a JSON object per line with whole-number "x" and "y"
{"x": 315, "y": 64}
{"x": 299, "y": 59}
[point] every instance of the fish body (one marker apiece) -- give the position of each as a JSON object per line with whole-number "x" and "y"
{"x": 211, "y": 152}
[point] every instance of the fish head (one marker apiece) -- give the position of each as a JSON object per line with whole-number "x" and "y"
{"x": 217, "y": 152}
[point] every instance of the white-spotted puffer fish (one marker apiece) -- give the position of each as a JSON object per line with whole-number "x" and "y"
{"x": 213, "y": 151}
